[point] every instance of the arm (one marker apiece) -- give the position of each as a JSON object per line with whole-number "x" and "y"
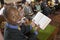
{"x": 35, "y": 28}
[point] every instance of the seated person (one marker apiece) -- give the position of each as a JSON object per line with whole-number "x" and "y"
{"x": 13, "y": 29}
{"x": 21, "y": 11}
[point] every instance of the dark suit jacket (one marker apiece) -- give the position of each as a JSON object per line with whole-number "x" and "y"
{"x": 15, "y": 34}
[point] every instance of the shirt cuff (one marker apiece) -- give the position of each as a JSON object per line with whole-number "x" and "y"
{"x": 35, "y": 32}
{"x": 30, "y": 27}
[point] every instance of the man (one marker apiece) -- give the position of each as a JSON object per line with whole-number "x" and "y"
{"x": 13, "y": 29}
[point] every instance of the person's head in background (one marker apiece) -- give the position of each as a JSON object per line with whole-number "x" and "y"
{"x": 37, "y": 3}
{"x": 19, "y": 7}
{"x": 11, "y": 15}
{"x": 26, "y": 3}
{"x": 41, "y": 0}
{"x": 32, "y": 3}
{"x": 21, "y": 11}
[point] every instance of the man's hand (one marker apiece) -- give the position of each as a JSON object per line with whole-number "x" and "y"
{"x": 33, "y": 24}
{"x": 36, "y": 27}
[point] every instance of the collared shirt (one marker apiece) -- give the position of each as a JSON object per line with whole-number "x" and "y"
{"x": 16, "y": 27}
{"x": 12, "y": 26}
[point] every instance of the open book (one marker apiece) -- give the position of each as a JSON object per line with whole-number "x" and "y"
{"x": 41, "y": 20}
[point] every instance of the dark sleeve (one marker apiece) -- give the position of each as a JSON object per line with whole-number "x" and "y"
{"x": 14, "y": 34}
{"x": 31, "y": 35}
{"x": 27, "y": 29}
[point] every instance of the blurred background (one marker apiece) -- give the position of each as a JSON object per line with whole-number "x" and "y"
{"x": 50, "y": 8}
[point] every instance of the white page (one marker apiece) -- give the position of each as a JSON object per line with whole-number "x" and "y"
{"x": 41, "y": 20}
{"x": 37, "y": 18}
{"x": 44, "y": 22}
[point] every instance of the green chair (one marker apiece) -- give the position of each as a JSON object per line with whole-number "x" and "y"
{"x": 45, "y": 34}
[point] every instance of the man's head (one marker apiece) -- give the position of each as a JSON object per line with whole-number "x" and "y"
{"x": 11, "y": 15}
{"x": 20, "y": 7}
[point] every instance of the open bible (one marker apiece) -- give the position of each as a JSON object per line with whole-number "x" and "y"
{"x": 41, "y": 20}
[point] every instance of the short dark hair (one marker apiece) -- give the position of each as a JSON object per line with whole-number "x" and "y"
{"x": 19, "y": 6}
{"x": 8, "y": 10}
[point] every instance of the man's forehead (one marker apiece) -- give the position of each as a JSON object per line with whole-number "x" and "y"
{"x": 12, "y": 10}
